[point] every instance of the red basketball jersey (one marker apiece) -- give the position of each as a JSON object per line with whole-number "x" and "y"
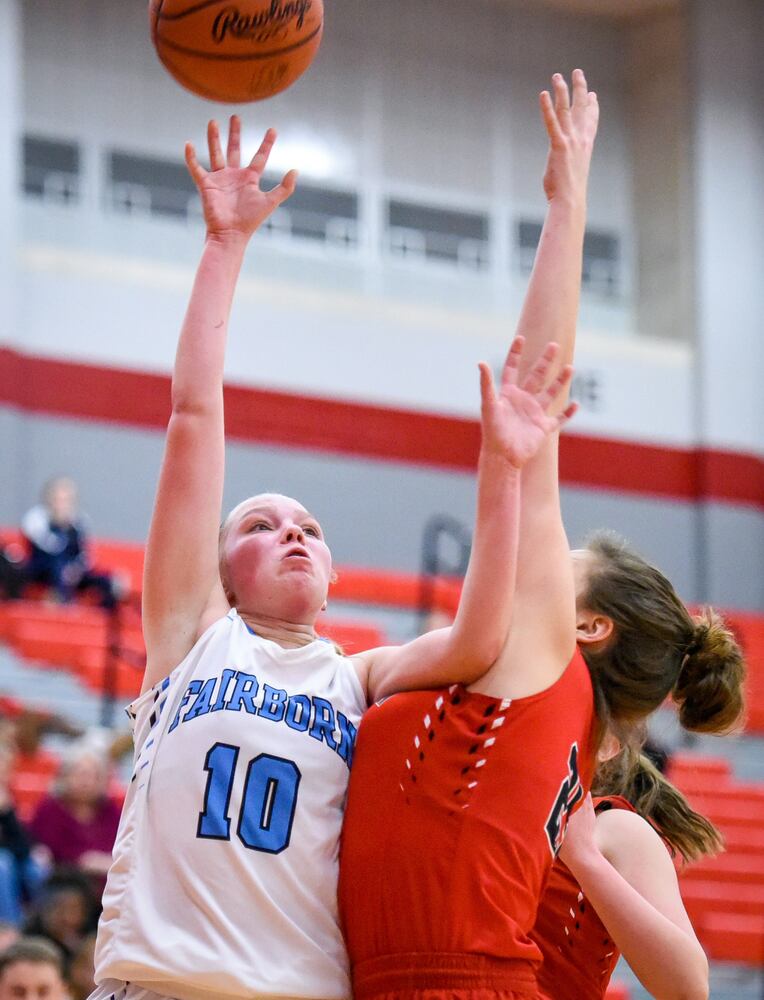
{"x": 457, "y": 806}
{"x": 579, "y": 956}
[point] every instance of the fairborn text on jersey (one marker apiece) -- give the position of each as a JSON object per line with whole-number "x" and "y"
{"x": 301, "y": 712}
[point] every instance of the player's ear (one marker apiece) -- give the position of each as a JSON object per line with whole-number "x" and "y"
{"x": 609, "y": 747}
{"x": 593, "y": 629}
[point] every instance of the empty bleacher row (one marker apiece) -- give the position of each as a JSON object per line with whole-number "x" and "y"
{"x": 724, "y": 895}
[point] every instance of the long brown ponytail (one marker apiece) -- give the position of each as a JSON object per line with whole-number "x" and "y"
{"x": 657, "y": 649}
{"x": 634, "y": 776}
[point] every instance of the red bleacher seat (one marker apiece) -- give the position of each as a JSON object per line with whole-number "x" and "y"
{"x": 743, "y": 839}
{"x": 10, "y": 708}
{"x": 733, "y": 937}
{"x": 682, "y": 764}
{"x": 730, "y": 811}
{"x": 704, "y": 897}
{"x": 123, "y": 558}
{"x": 695, "y": 773}
{"x": 746, "y": 868}
{"x": 750, "y": 632}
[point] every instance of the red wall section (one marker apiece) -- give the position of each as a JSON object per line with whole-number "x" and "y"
{"x": 47, "y": 386}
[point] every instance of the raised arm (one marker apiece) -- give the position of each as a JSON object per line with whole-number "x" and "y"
{"x": 550, "y": 309}
{"x": 514, "y": 422}
{"x": 181, "y": 587}
{"x": 626, "y": 874}
{"x": 542, "y": 638}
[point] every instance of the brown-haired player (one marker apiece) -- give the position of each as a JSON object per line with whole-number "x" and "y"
{"x": 613, "y": 889}
{"x": 453, "y": 821}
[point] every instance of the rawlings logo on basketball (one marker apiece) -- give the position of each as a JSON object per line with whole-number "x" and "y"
{"x": 237, "y": 50}
{"x": 230, "y": 21}
{"x": 569, "y": 795}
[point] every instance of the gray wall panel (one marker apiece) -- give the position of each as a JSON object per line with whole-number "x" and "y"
{"x": 735, "y": 547}
{"x": 663, "y": 531}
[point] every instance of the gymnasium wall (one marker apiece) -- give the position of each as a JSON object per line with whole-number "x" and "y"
{"x": 413, "y": 108}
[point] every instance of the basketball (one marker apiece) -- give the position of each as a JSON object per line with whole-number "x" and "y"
{"x": 236, "y": 52}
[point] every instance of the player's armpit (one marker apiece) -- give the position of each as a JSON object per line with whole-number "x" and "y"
{"x": 429, "y": 661}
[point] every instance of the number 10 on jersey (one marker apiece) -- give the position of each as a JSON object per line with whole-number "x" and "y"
{"x": 267, "y": 806}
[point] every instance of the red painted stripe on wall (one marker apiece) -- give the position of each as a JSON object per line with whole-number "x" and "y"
{"x": 142, "y": 399}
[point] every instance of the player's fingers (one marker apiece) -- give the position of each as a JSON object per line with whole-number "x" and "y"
{"x": 557, "y": 387}
{"x": 566, "y": 414}
{"x": 511, "y": 369}
{"x": 580, "y": 91}
{"x": 561, "y": 97}
{"x": 217, "y": 162}
{"x": 487, "y": 391}
{"x": 283, "y": 190}
{"x": 593, "y": 111}
{"x": 536, "y": 378}
{"x": 197, "y": 171}
{"x": 260, "y": 159}
{"x": 551, "y": 123}
{"x": 233, "y": 153}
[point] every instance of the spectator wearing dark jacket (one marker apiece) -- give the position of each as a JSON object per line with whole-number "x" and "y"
{"x": 57, "y": 539}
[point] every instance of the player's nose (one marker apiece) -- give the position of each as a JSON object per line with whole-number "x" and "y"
{"x": 293, "y": 533}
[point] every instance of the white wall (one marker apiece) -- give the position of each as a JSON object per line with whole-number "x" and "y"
{"x": 350, "y": 345}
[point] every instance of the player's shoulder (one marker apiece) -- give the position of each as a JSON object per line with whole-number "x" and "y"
{"x": 623, "y": 835}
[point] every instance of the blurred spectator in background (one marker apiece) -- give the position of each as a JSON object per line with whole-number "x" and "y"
{"x": 34, "y": 768}
{"x": 78, "y": 821}
{"x": 64, "y": 914}
{"x": 31, "y": 969}
{"x": 20, "y": 874}
{"x": 12, "y": 574}
{"x": 9, "y": 934}
{"x": 82, "y": 969}
{"x": 55, "y": 533}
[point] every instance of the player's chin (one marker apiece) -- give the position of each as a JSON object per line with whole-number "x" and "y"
{"x": 298, "y": 565}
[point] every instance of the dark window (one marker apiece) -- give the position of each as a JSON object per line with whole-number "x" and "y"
{"x": 315, "y": 213}
{"x": 443, "y": 234}
{"x": 51, "y": 168}
{"x": 142, "y": 183}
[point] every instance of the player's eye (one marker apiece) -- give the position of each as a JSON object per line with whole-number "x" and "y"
{"x": 259, "y": 526}
{"x": 309, "y": 529}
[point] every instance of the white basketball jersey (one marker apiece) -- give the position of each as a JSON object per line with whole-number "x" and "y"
{"x": 224, "y": 881}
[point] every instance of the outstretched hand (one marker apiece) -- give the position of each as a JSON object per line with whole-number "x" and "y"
{"x": 232, "y": 200}
{"x": 516, "y": 421}
{"x": 571, "y": 127}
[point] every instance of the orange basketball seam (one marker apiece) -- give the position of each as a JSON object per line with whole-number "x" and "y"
{"x": 223, "y": 57}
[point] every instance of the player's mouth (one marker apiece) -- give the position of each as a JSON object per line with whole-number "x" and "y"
{"x": 296, "y": 552}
